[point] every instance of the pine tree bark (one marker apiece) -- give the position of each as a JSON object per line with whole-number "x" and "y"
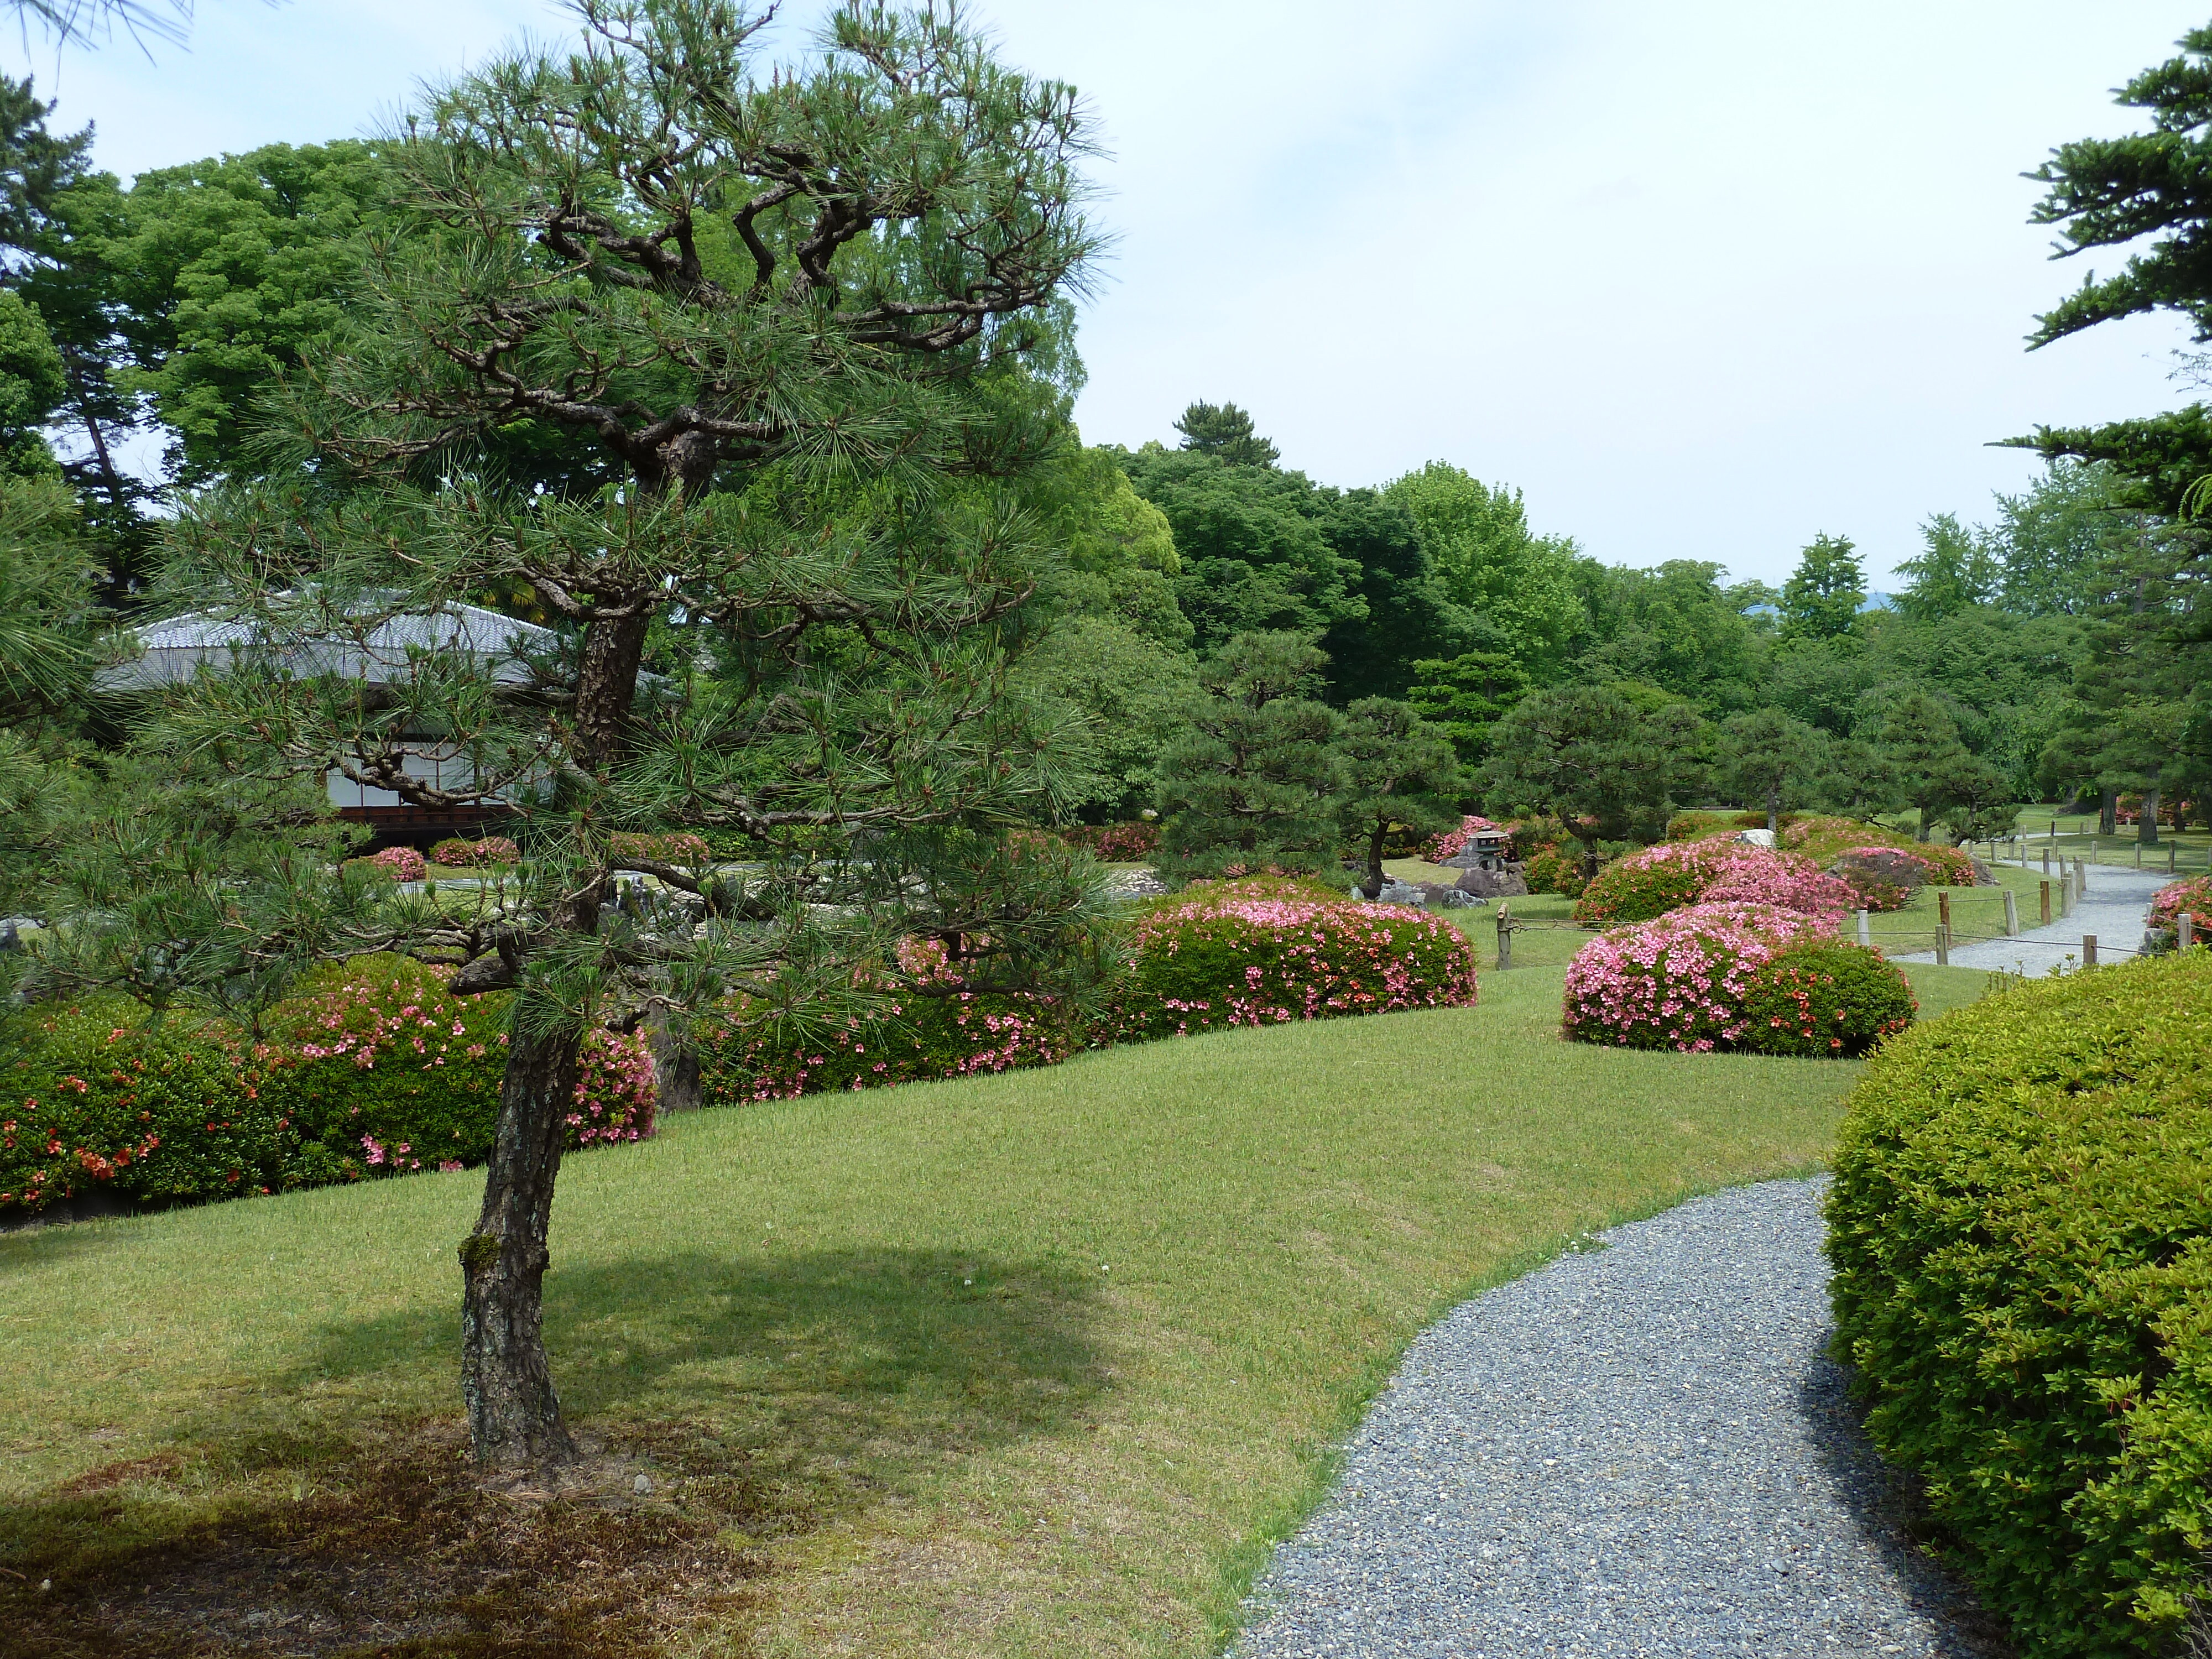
{"x": 2108, "y": 813}
{"x": 507, "y": 1381}
{"x": 2146, "y": 820}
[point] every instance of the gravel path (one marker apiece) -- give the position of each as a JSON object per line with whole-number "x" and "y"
{"x": 1638, "y": 1450}
{"x": 2112, "y": 907}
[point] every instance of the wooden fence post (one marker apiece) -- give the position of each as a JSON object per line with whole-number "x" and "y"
{"x": 1504, "y": 939}
{"x": 2088, "y": 949}
{"x": 2188, "y": 930}
{"x": 1942, "y": 944}
{"x": 1866, "y": 931}
{"x": 2046, "y": 902}
{"x": 2012, "y": 915}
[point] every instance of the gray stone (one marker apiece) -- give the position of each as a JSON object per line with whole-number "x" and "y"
{"x": 1402, "y": 892}
{"x": 1493, "y": 883}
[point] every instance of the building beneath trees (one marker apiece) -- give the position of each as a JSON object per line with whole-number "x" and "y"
{"x": 382, "y": 654}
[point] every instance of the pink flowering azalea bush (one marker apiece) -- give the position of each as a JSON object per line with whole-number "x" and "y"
{"x": 374, "y": 1070}
{"x": 1733, "y": 975}
{"x": 455, "y": 853}
{"x": 93, "y": 1101}
{"x": 400, "y": 863}
{"x": 1824, "y": 840}
{"x": 1266, "y": 952}
{"x": 931, "y": 1025}
{"x": 2192, "y": 894}
{"x": 1452, "y": 842}
{"x": 1649, "y": 884}
{"x": 384, "y": 1072}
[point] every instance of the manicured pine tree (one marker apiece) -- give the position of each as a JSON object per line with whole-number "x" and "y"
{"x": 1252, "y": 785}
{"x": 1590, "y": 757}
{"x": 1770, "y": 758}
{"x": 1399, "y": 773}
{"x": 778, "y": 329}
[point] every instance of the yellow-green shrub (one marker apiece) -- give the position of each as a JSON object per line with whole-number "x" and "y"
{"x": 2021, "y": 1231}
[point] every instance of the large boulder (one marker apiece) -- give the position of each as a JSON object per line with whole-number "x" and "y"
{"x": 1508, "y": 883}
{"x": 1891, "y": 864}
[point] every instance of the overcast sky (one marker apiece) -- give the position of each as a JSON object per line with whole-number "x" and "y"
{"x": 1701, "y": 279}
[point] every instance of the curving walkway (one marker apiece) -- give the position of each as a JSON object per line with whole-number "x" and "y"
{"x": 2112, "y": 907}
{"x": 1641, "y": 1450}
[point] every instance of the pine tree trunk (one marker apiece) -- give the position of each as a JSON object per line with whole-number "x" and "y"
{"x": 2146, "y": 820}
{"x": 2108, "y": 813}
{"x": 1372, "y": 887}
{"x": 507, "y": 1384}
{"x": 1773, "y": 810}
{"x": 506, "y": 1381}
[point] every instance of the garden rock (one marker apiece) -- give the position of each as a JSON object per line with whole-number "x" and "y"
{"x": 1757, "y": 837}
{"x": 1400, "y": 892}
{"x": 1478, "y": 884}
{"x": 1437, "y": 896}
{"x": 1898, "y": 866}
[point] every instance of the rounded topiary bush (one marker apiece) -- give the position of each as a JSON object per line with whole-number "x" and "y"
{"x": 1265, "y": 952}
{"x": 400, "y": 863}
{"x": 1649, "y": 884}
{"x": 91, "y": 1100}
{"x": 922, "y": 1035}
{"x": 1749, "y": 977}
{"x": 2192, "y": 894}
{"x": 383, "y": 1071}
{"x": 1548, "y": 870}
{"x": 456, "y": 854}
{"x": 2021, "y": 1231}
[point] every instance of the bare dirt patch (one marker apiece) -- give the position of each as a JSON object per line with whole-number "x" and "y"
{"x": 403, "y": 1551}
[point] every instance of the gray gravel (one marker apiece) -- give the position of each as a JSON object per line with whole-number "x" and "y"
{"x": 2112, "y": 907}
{"x": 1640, "y": 1450}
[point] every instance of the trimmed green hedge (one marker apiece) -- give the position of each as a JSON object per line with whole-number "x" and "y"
{"x": 2021, "y": 1231}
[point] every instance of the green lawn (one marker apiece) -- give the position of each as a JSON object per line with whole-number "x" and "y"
{"x": 1033, "y": 1364}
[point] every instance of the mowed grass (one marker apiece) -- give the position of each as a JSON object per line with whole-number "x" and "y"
{"x": 1031, "y": 1365}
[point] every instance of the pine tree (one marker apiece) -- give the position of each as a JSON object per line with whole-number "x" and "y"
{"x": 781, "y": 328}
{"x": 1252, "y": 785}
{"x": 1226, "y": 434}
{"x": 1399, "y": 773}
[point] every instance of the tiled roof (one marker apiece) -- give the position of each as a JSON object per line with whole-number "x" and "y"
{"x": 175, "y": 651}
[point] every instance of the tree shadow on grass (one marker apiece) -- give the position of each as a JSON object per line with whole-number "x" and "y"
{"x": 758, "y": 1399}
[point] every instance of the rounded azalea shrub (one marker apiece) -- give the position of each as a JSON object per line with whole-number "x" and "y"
{"x": 1827, "y": 839}
{"x": 400, "y": 863}
{"x": 1115, "y": 843}
{"x": 1548, "y": 870}
{"x": 1749, "y": 977}
{"x": 2192, "y": 894}
{"x": 1264, "y": 953}
{"x": 1873, "y": 890}
{"x": 931, "y": 1027}
{"x": 455, "y": 853}
{"x": 1824, "y": 999}
{"x": 93, "y": 1100}
{"x": 1650, "y": 882}
{"x": 383, "y": 1071}
{"x": 677, "y": 846}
